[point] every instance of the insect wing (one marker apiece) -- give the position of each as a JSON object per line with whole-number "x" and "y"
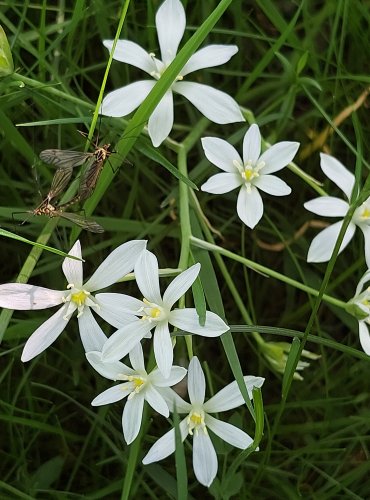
{"x": 60, "y": 180}
{"x": 87, "y": 224}
{"x": 64, "y": 158}
{"x": 90, "y": 178}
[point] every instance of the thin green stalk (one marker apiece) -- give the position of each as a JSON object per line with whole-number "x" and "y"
{"x": 265, "y": 270}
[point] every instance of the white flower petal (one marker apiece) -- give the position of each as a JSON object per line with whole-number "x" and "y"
{"x": 196, "y": 382}
{"x": 117, "y": 309}
{"x": 221, "y": 153}
{"x": 118, "y": 263}
{"x": 230, "y": 396}
{"x": 180, "y": 285}
{"x": 249, "y": 206}
{"x": 174, "y": 401}
{"x": 45, "y": 335}
{"x": 137, "y": 358}
{"x": 364, "y": 278}
{"x": 147, "y": 277}
{"x": 23, "y": 297}
{"x": 165, "y": 445}
{"x": 366, "y": 232}
{"x": 92, "y": 335}
{"x": 72, "y": 268}
{"x": 107, "y": 370}
{"x": 272, "y": 185}
{"x": 222, "y": 183}
{"x": 163, "y": 350}
{"x": 170, "y": 21}
{"x": 123, "y": 340}
{"x": 204, "y": 458}
{"x": 278, "y": 156}
{"x": 252, "y": 144}
{"x": 177, "y": 373}
{"x": 215, "y": 105}
{"x": 328, "y": 206}
{"x": 364, "y": 336}
{"x": 157, "y": 401}
{"x": 188, "y": 320}
{"x": 161, "y": 120}
{"x": 131, "y": 417}
{"x": 229, "y": 433}
{"x": 124, "y": 100}
{"x": 208, "y": 57}
{"x": 337, "y": 173}
{"x": 322, "y": 246}
{"x": 111, "y": 395}
{"x": 131, "y": 53}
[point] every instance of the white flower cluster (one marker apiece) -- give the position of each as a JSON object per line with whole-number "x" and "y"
{"x": 134, "y": 320}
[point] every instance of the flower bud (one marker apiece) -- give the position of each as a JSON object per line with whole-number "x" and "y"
{"x": 6, "y": 60}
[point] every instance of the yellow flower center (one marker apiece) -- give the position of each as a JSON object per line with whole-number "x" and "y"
{"x": 152, "y": 312}
{"x": 196, "y": 421}
{"x": 80, "y": 297}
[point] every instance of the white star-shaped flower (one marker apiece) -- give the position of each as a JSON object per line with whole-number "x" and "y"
{"x": 77, "y": 296}
{"x": 156, "y": 312}
{"x": 199, "y": 420}
{"x": 217, "y": 106}
{"x": 323, "y": 244}
{"x": 251, "y": 174}
{"x": 138, "y": 386}
{"x": 359, "y": 306}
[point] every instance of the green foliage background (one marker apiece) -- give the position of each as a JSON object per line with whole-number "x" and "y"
{"x": 53, "y": 444}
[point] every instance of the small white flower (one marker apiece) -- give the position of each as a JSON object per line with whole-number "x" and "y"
{"x": 77, "y": 296}
{"x": 138, "y": 386}
{"x": 198, "y": 421}
{"x": 250, "y": 174}
{"x": 322, "y": 246}
{"x": 217, "y": 106}
{"x": 359, "y": 306}
{"x": 156, "y": 312}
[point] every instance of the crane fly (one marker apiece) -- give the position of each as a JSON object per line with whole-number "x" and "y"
{"x": 66, "y": 160}
{"x": 46, "y": 208}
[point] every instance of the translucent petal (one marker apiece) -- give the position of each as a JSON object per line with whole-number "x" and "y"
{"x": 222, "y": 183}
{"x": 163, "y": 350}
{"x": 327, "y": 206}
{"x": 165, "y": 445}
{"x": 366, "y": 232}
{"x": 72, "y": 268}
{"x": 161, "y": 120}
{"x": 111, "y": 395}
{"x": 221, "y": 153}
{"x": 177, "y": 373}
{"x": 204, "y": 458}
{"x": 249, "y": 206}
{"x": 147, "y": 277}
{"x": 278, "y": 156}
{"x": 322, "y": 246}
{"x": 131, "y": 417}
{"x": 156, "y": 401}
{"x": 180, "y": 285}
{"x": 252, "y": 144}
{"x": 117, "y": 309}
{"x": 45, "y": 335}
{"x": 337, "y": 173}
{"x": 230, "y": 396}
{"x": 229, "y": 433}
{"x": 23, "y": 297}
{"x": 107, "y": 370}
{"x": 170, "y": 21}
{"x": 118, "y": 263}
{"x": 131, "y": 53}
{"x": 137, "y": 358}
{"x": 188, "y": 320}
{"x": 123, "y": 340}
{"x": 364, "y": 336}
{"x": 215, "y": 105}
{"x": 208, "y": 57}
{"x": 196, "y": 382}
{"x": 174, "y": 401}
{"x": 272, "y": 185}
{"x": 124, "y": 100}
{"x": 92, "y": 335}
